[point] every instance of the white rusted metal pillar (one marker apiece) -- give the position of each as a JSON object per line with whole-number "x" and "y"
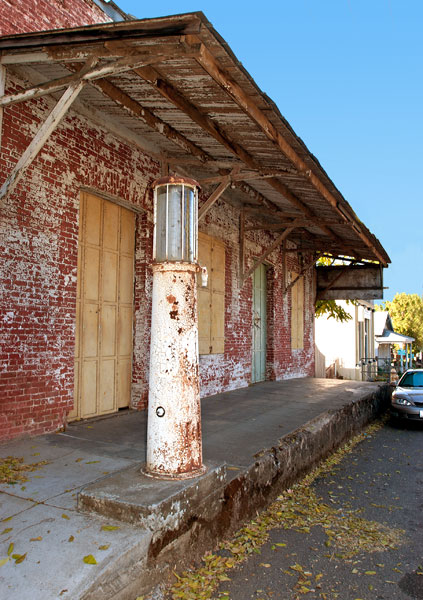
{"x": 174, "y": 448}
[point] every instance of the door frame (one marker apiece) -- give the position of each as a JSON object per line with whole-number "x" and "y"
{"x": 76, "y": 412}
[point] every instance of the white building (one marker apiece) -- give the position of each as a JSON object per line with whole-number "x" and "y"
{"x": 346, "y": 349}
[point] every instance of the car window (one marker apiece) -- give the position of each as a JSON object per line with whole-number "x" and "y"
{"x": 412, "y": 380}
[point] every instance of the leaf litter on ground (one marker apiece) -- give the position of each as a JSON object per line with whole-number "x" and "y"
{"x": 299, "y": 509}
{"x": 13, "y": 469}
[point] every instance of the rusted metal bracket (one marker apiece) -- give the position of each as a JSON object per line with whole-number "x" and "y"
{"x": 302, "y": 272}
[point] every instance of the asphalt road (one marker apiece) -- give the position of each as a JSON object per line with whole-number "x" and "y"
{"x": 380, "y": 480}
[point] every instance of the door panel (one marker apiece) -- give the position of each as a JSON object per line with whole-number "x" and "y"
{"x": 108, "y": 330}
{"x": 90, "y": 331}
{"x": 107, "y": 385}
{"x": 259, "y": 336}
{"x": 89, "y": 388}
{"x": 110, "y": 268}
{"x": 111, "y": 226}
{"x": 126, "y": 285}
{"x": 92, "y": 273}
{"x": 125, "y": 331}
{"x": 104, "y": 315}
{"x": 124, "y": 382}
{"x": 92, "y": 221}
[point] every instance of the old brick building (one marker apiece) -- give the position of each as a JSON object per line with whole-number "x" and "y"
{"x": 108, "y": 109}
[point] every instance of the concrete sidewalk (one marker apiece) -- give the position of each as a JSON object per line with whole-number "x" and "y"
{"x": 91, "y": 499}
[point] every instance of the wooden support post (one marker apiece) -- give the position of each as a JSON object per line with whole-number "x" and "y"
{"x": 241, "y": 245}
{"x": 302, "y": 272}
{"x": 214, "y": 197}
{"x": 263, "y": 257}
{"x": 283, "y": 256}
{"x": 46, "y": 129}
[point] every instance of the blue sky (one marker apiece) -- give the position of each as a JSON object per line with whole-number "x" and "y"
{"x": 348, "y": 76}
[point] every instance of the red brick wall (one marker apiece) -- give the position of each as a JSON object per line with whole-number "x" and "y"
{"x": 39, "y": 233}
{"x": 23, "y": 16}
{"x": 38, "y": 243}
{"x": 232, "y": 369}
{"x": 39, "y": 246}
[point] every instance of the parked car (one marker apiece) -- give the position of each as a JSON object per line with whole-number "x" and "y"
{"x": 407, "y": 398}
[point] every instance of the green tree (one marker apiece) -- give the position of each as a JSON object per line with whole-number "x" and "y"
{"x": 332, "y": 310}
{"x": 406, "y": 312}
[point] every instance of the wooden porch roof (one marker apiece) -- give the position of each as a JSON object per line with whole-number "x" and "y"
{"x": 174, "y": 87}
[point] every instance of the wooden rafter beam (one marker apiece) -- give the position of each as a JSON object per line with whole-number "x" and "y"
{"x": 116, "y": 67}
{"x": 246, "y": 176}
{"x": 301, "y": 223}
{"x": 241, "y": 244}
{"x": 213, "y": 198}
{"x": 205, "y": 122}
{"x": 265, "y": 254}
{"x": 66, "y": 53}
{"x": 252, "y": 209}
{"x": 259, "y": 198}
{"x": 141, "y": 112}
{"x": 46, "y": 129}
{"x": 304, "y": 270}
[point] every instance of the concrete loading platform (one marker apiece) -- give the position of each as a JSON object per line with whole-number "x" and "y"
{"x": 256, "y": 441}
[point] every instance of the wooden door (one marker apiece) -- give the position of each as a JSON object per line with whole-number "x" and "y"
{"x": 211, "y": 298}
{"x": 259, "y": 324}
{"x": 103, "y": 345}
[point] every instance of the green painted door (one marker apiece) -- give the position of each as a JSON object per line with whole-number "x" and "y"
{"x": 259, "y": 324}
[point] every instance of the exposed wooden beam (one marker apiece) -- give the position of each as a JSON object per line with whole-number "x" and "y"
{"x": 46, "y": 129}
{"x": 140, "y": 112}
{"x": 335, "y": 279}
{"x": 241, "y": 244}
{"x": 209, "y": 64}
{"x": 18, "y": 58}
{"x": 252, "y": 209}
{"x": 67, "y": 53}
{"x": 301, "y": 223}
{"x": 302, "y": 272}
{"x": 114, "y": 68}
{"x": 259, "y": 198}
{"x": 246, "y": 176}
{"x": 213, "y": 198}
{"x": 205, "y": 122}
{"x": 269, "y": 250}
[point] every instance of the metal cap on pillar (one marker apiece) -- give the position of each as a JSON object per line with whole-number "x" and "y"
{"x": 174, "y": 448}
